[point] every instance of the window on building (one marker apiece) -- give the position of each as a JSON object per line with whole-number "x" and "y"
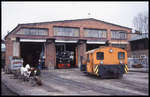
{"x": 98, "y": 33}
{"x": 66, "y": 31}
{"x": 121, "y": 55}
{"x": 100, "y": 55}
{"x": 116, "y": 34}
{"x": 33, "y": 31}
{"x": 42, "y": 32}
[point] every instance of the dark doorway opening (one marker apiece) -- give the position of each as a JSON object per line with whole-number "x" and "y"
{"x": 30, "y": 52}
{"x": 93, "y": 46}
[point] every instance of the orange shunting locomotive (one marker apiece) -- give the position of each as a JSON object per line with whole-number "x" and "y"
{"x": 105, "y": 62}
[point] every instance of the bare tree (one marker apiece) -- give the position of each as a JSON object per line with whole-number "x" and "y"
{"x": 141, "y": 22}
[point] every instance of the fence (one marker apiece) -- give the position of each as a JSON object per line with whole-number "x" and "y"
{"x": 143, "y": 61}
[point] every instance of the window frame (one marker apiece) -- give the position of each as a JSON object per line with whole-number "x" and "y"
{"x": 101, "y": 58}
{"x": 101, "y": 33}
{"x": 118, "y": 35}
{"x": 66, "y": 31}
{"x": 32, "y": 31}
{"x": 121, "y": 56}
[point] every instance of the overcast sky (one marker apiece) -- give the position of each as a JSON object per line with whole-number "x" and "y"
{"x": 121, "y": 13}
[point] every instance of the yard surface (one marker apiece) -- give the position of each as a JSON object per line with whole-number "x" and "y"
{"x": 74, "y": 82}
{"x": 6, "y": 91}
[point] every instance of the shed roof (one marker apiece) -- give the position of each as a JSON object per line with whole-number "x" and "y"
{"x": 75, "y": 20}
{"x": 140, "y": 36}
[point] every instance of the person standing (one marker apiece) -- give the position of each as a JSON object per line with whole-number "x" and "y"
{"x": 40, "y": 64}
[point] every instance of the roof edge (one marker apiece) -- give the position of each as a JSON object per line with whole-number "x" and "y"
{"x": 76, "y": 20}
{"x": 11, "y": 31}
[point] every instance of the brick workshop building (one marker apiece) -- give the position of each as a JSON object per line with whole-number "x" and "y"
{"x": 139, "y": 52}
{"x": 79, "y": 35}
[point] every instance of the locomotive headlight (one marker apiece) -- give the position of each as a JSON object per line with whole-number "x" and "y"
{"x": 101, "y": 62}
{"x": 110, "y": 50}
{"x": 121, "y": 62}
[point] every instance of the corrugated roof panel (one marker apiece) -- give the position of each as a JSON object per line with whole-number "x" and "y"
{"x": 137, "y": 37}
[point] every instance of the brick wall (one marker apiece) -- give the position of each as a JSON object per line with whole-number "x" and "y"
{"x": 50, "y": 60}
{"x": 9, "y": 51}
{"x": 50, "y": 47}
{"x": 81, "y": 50}
{"x": 81, "y": 24}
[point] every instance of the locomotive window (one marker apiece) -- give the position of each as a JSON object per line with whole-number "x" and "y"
{"x": 121, "y": 55}
{"x": 100, "y": 55}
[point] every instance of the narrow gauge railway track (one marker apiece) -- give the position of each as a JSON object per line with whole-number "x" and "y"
{"x": 48, "y": 88}
{"x": 123, "y": 83}
{"x": 138, "y": 86}
{"x": 79, "y": 86}
{"x": 132, "y": 85}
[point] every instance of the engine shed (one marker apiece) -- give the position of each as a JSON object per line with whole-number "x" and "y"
{"x": 44, "y": 40}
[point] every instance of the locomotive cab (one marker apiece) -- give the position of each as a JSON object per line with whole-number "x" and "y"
{"x": 106, "y": 62}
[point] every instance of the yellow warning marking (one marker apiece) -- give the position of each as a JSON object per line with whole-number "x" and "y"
{"x": 95, "y": 68}
{"x": 125, "y": 70}
{"x": 126, "y": 67}
{"x": 96, "y": 71}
